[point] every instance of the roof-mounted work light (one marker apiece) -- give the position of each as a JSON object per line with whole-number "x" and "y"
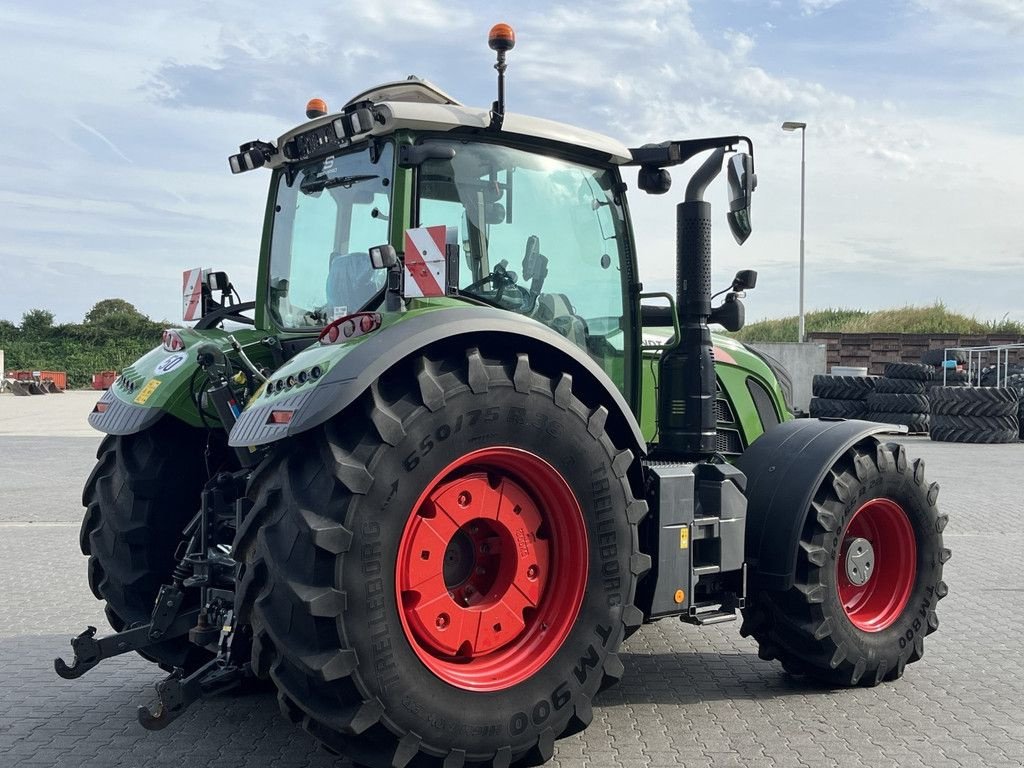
{"x": 251, "y": 156}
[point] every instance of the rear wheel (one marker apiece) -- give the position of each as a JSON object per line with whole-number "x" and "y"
{"x": 869, "y": 574}
{"x": 140, "y": 496}
{"x": 443, "y": 574}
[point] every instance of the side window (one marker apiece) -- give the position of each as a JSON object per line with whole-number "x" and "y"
{"x": 540, "y": 236}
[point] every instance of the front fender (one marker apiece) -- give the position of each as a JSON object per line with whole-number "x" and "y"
{"x": 161, "y": 382}
{"x": 361, "y": 363}
{"x": 784, "y": 469}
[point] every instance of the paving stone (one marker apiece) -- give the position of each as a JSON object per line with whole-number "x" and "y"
{"x": 691, "y": 697}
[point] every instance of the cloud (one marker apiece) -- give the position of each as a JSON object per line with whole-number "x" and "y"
{"x": 999, "y": 16}
{"x": 811, "y": 7}
{"x": 124, "y": 120}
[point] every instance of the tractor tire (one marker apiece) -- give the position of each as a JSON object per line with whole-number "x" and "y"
{"x": 916, "y": 371}
{"x": 953, "y": 378}
{"x": 974, "y": 401}
{"x": 916, "y": 423}
{"x": 900, "y": 387}
{"x": 842, "y": 387}
{"x": 826, "y": 626}
{"x": 141, "y": 494}
{"x": 463, "y": 478}
{"x": 969, "y": 430}
{"x": 824, "y": 407}
{"x": 894, "y": 403}
{"x": 994, "y": 423}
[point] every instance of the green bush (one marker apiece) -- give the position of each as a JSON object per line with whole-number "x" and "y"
{"x": 113, "y": 336}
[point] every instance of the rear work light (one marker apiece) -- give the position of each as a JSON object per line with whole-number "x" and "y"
{"x": 172, "y": 341}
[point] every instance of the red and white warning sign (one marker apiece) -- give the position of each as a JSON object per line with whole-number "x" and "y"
{"x": 192, "y": 294}
{"x": 426, "y": 268}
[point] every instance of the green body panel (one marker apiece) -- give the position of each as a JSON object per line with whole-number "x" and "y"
{"x": 327, "y": 356}
{"x": 169, "y": 390}
{"x": 734, "y": 363}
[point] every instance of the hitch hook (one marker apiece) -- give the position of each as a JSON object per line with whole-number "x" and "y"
{"x": 87, "y": 656}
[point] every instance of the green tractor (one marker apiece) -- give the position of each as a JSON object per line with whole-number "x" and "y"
{"x": 460, "y": 455}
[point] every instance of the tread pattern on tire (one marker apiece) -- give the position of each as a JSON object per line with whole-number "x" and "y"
{"x": 917, "y": 423}
{"x": 842, "y": 387}
{"x": 286, "y": 585}
{"x": 917, "y": 371}
{"x": 897, "y": 403}
{"x": 824, "y": 407}
{"x": 793, "y": 626}
{"x": 974, "y": 401}
{"x": 900, "y": 386}
{"x": 997, "y": 423}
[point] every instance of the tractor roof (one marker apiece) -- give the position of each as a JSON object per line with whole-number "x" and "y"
{"x": 417, "y": 104}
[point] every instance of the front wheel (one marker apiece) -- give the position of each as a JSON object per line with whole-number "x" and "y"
{"x": 869, "y": 574}
{"x": 443, "y": 574}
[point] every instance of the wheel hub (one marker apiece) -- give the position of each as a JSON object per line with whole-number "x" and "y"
{"x": 860, "y": 561}
{"x": 478, "y": 565}
{"x": 492, "y": 568}
{"x": 877, "y": 566}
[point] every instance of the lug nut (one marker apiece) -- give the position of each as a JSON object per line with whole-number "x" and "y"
{"x": 443, "y": 621}
{"x": 532, "y": 571}
{"x": 464, "y": 499}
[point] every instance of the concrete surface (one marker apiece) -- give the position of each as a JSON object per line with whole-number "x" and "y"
{"x": 802, "y": 361}
{"x": 691, "y": 697}
{"x": 48, "y": 415}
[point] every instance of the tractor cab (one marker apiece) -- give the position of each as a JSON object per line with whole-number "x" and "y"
{"x": 534, "y": 215}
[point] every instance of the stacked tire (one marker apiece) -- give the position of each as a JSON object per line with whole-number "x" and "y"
{"x": 951, "y": 379}
{"x": 1016, "y": 382}
{"x": 901, "y": 397}
{"x": 975, "y": 415}
{"x": 840, "y": 397}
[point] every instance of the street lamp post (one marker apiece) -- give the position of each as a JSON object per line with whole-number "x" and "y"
{"x": 802, "y": 127}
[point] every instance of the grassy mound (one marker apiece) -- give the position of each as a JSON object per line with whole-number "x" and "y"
{"x": 934, "y": 319}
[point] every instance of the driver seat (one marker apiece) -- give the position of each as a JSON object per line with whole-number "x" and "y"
{"x": 556, "y": 311}
{"x": 351, "y": 281}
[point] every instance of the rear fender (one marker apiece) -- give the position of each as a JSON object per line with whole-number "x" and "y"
{"x": 357, "y": 365}
{"x": 784, "y": 469}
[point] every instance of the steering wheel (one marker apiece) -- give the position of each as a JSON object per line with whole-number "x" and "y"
{"x": 502, "y": 280}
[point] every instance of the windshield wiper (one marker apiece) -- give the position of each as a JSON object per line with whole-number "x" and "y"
{"x": 340, "y": 181}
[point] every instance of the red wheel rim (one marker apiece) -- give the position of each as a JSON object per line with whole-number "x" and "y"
{"x": 891, "y": 556}
{"x": 492, "y": 569}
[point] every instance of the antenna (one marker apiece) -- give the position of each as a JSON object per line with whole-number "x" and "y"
{"x": 501, "y": 39}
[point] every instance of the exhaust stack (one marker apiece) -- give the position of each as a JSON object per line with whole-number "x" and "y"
{"x": 686, "y": 391}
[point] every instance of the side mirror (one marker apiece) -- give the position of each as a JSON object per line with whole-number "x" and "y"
{"x": 742, "y": 183}
{"x": 745, "y": 280}
{"x": 731, "y": 315}
{"x": 218, "y": 281}
{"x": 383, "y": 257}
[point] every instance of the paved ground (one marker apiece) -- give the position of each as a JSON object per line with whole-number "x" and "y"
{"x": 693, "y": 697}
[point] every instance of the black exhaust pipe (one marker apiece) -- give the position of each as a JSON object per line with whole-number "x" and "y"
{"x": 686, "y": 382}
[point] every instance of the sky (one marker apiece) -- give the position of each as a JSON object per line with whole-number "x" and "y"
{"x": 119, "y": 118}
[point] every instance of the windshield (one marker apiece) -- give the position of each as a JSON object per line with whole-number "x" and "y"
{"x": 326, "y": 219}
{"x": 540, "y": 236}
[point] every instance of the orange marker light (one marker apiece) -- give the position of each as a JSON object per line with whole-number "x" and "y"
{"x": 316, "y": 108}
{"x": 501, "y": 38}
